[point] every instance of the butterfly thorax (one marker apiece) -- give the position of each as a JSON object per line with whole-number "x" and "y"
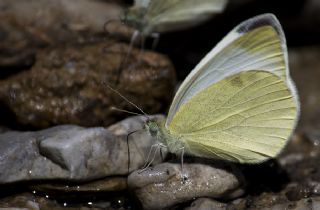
{"x": 157, "y": 129}
{"x": 134, "y": 17}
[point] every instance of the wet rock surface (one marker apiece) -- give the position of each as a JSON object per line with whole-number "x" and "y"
{"x": 206, "y": 204}
{"x": 110, "y": 184}
{"x": 31, "y": 201}
{"x": 69, "y": 86}
{"x": 72, "y": 153}
{"x": 164, "y": 185}
{"x": 63, "y": 152}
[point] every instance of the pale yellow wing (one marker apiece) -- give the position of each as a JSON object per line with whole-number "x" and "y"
{"x": 169, "y": 15}
{"x": 142, "y": 3}
{"x": 246, "y": 117}
{"x": 258, "y": 43}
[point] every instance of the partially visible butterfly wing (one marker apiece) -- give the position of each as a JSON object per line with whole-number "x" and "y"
{"x": 141, "y": 3}
{"x": 258, "y": 43}
{"x": 246, "y": 117}
{"x": 167, "y": 15}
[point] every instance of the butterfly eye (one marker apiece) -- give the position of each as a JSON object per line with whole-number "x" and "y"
{"x": 153, "y": 131}
{"x": 152, "y": 127}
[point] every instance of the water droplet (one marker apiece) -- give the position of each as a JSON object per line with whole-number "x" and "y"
{"x": 34, "y": 192}
{"x": 47, "y": 196}
{"x": 64, "y": 204}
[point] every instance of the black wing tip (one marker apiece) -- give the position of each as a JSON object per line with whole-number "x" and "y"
{"x": 267, "y": 19}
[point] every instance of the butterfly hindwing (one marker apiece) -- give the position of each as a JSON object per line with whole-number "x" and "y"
{"x": 246, "y": 117}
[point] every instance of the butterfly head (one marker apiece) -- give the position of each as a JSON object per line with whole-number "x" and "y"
{"x": 134, "y": 17}
{"x": 152, "y": 126}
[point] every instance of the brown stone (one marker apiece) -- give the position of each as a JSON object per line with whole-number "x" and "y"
{"x": 67, "y": 85}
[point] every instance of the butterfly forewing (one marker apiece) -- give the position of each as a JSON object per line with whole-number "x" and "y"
{"x": 257, "y": 43}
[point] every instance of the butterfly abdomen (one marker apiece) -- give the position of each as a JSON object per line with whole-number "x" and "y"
{"x": 176, "y": 145}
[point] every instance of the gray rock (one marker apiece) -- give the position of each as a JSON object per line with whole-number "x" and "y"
{"x": 73, "y": 153}
{"x": 163, "y": 186}
{"x": 62, "y": 152}
{"x": 139, "y": 142}
{"x": 28, "y": 201}
{"x": 206, "y": 204}
{"x": 109, "y": 184}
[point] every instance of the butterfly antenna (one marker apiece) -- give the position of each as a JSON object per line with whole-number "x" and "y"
{"x": 129, "y": 159}
{"x": 155, "y": 42}
{"x": 126, "y": 111}
{"x": 142, "y": 46}
{"x": 127, "y": 100}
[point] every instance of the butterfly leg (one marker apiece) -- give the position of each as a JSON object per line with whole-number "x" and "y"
{"x": 183, "y": 177}
{"x": 148, "y": 157}
{"x": 128, "y": 135}
{"x": 148, "y": 163}
{"x": 134, "y": 37}
{"x": 142, "y": 46}
{"x": 156, "y": 38}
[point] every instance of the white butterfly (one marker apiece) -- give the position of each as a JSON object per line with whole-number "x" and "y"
{"x": 150, "y": 16}
{"x": 239, "y": 103}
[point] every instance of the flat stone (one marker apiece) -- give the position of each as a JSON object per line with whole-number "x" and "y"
{"x": 74, "y": 153}
{"x": 62, "y": 152}
{"x": 163, "y": 185}
{"x": 206, "y": 204}
{"x": 109, "y": 184}
{"x": 28, "y": 201}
